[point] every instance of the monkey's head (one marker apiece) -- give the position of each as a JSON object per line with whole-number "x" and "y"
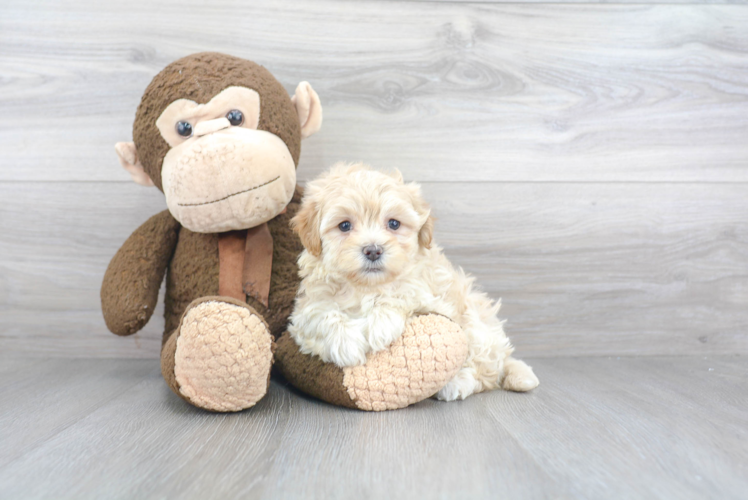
{"x": 221, "y": 138}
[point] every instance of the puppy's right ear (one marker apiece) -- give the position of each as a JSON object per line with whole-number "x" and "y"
{"x": 306, "y": 224}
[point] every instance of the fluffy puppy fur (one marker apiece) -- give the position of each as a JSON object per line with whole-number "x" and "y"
{"x": 350, "y": 304}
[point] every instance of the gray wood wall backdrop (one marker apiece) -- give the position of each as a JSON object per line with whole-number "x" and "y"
{"x": 587, "y": 162}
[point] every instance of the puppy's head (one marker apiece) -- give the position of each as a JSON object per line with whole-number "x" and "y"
{"x": 362, "y": 225}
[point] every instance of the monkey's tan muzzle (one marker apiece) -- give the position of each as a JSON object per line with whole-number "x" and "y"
{"x": 228, "y": 178}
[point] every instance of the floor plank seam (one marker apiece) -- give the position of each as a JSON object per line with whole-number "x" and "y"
{"x": 94, "y": 409}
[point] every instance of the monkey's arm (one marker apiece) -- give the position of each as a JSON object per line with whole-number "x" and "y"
{"x": 133, "y": 278}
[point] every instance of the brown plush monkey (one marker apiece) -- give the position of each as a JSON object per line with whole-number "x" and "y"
{"x": 221, "y": 138}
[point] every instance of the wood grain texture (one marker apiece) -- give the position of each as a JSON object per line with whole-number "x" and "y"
{"x": 444, "y": 91}
{"x": 606, "y": 2}
{"x": 583, "y": 269}
{"x": 595, "y": 428}
{"x": 587, "y": 162}
{"x": 68, "y": 391}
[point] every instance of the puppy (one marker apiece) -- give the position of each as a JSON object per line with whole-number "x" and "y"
{"x": 370, "y": 263}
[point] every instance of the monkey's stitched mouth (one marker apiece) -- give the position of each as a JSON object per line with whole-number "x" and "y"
{"x": 228, "y": 196}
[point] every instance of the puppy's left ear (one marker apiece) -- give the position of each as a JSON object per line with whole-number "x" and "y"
{"x": 397, "y": 175}
{"x": 426, "y": 233}
{"x": 306, "y": 224}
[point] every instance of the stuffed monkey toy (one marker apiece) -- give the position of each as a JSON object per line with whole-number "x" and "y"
{"x": 220, "y": 137}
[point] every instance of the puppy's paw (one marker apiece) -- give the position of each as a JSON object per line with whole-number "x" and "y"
{"x": 345, "y": 352}
{"x": 383, "y": 327}
{"x": 518, "y": 377}
{"x": 345, "y": 344}
{"x": 520, "y": 384}
{"x": 332, "y": 336}
{"x": 463, "y": 385}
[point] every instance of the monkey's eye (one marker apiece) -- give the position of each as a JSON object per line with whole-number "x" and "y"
{"x": 235, "y": 117}
{"x": 393, "y": 224}
{"x": 184, "y": 129}
{"x": 345, "y": 226}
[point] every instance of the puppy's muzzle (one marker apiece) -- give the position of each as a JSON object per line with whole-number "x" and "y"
{"x": 373, "y": 252}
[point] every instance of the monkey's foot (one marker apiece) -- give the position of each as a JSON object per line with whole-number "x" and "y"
{"x": 220, "y": 357}
{"x": 414, "y": 367}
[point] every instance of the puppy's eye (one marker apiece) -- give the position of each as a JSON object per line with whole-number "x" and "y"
{"x": 393, "y": 224}
{"x": 184, "y": 129}
{"x": 345, "y": 226}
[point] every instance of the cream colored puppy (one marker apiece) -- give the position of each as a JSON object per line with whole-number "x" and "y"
{"x": 370, "y": 263}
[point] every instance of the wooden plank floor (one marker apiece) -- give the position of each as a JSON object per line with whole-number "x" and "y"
{"x": 586, "y": 160}
{"x": 656, "y": 427}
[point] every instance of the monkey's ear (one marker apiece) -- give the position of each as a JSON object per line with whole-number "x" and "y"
{"x": 306, "y": 224}
{"x": 308, "y": 108}
{"x": 128, "y": 158}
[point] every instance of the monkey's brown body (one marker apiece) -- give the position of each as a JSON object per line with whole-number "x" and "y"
{"x": 221, "y": 138}
{"x": 191, "y": 263}
{"x": 194, "y": 270}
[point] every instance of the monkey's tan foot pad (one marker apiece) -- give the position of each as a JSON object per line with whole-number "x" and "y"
{"x": 414, "y": 367}
{"x": 222, "y": 356}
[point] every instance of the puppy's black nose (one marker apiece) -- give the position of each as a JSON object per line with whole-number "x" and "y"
{"x": 373, "y": 252}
